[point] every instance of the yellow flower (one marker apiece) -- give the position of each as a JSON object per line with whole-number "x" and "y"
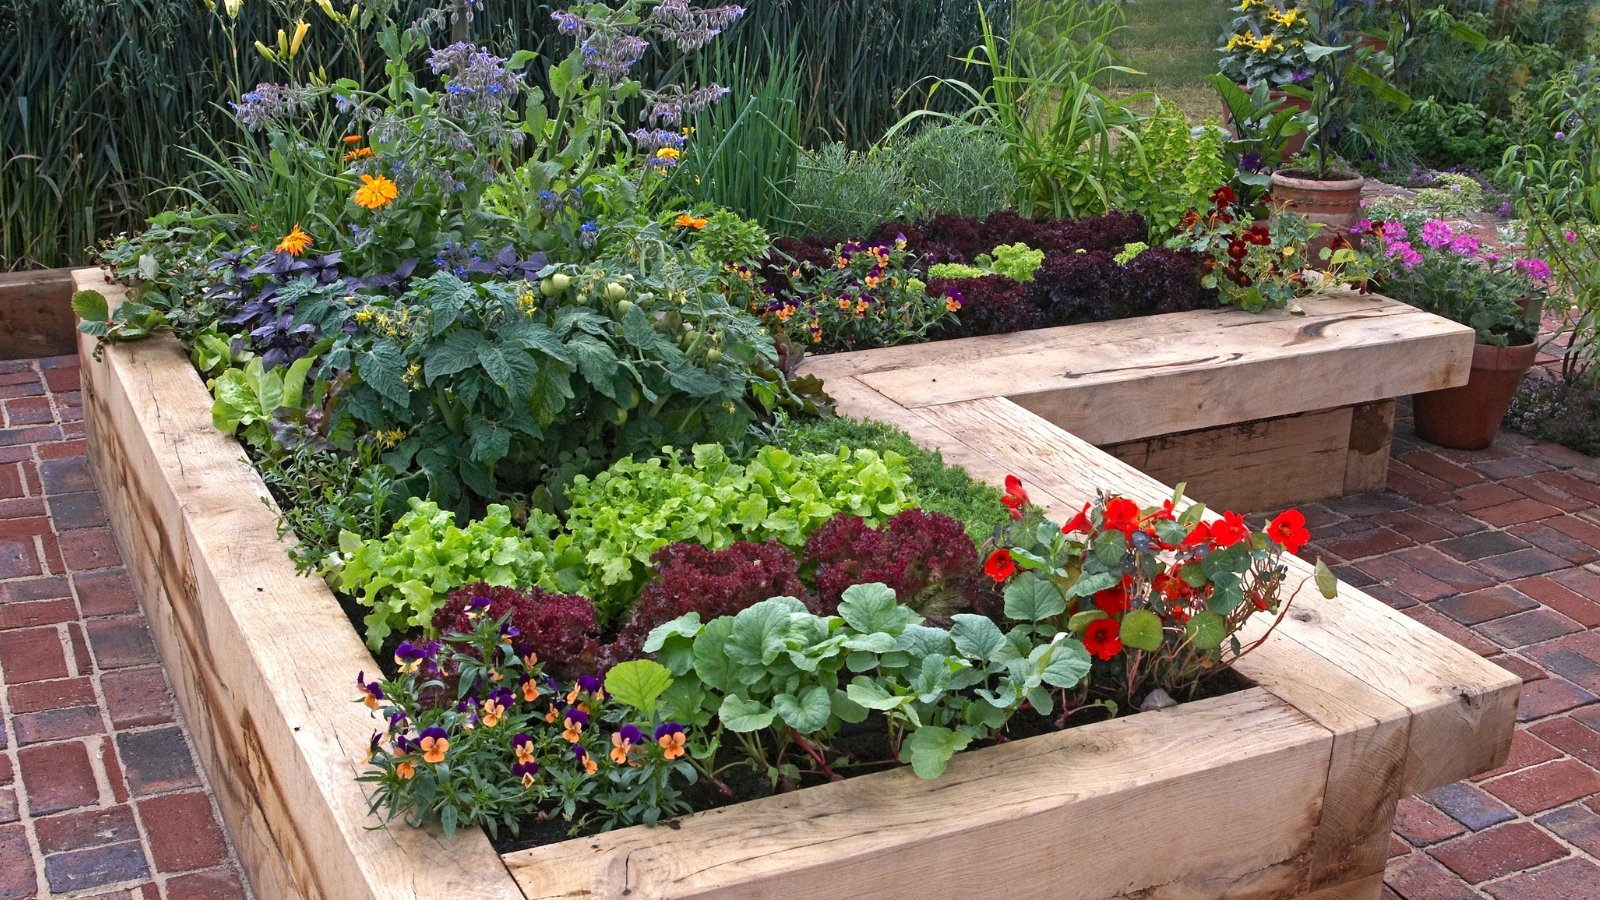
{"x": 375, "y": 192}
{"x": 295, "y": 242}
{"x": 668, "y": 153}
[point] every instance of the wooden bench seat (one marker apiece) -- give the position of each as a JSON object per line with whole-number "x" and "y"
{"x": 1253, "y": 410}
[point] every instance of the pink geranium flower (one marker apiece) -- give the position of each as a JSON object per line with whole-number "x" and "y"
{"x": 1436, "y": 234}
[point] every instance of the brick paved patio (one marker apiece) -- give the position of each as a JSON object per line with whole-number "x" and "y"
{"x": 99, "y": 792}
{"x": 1497, "y": 550}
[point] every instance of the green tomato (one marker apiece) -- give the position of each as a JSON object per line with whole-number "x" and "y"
{"x": 713, "y": 356}
{"x": 547, "y": 287}
{"x": 619, "y": 416}
{"x": 616, "y": 292}
{"x": 623, "y": 306}
{"x": 560, "y": 281}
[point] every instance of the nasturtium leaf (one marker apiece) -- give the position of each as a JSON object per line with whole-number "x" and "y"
{"x": 1079, "y": 623}
{"x": 741, "y": 715}
{"x": 976, "y": 637}
{"x": 808, "y": 713}
{"x": 1206, "y": 630}
{"x": 1327, "y": 584}
{"x": 871, "y": 607}
{"x": 1141, "y": 629}
{"x": 1110, "y": 547}
{"x": 1031, "y": 598}
{"x": 930, "y": 747}
{"x": 639, "y": 683}
{"x": 1087, "y": 585}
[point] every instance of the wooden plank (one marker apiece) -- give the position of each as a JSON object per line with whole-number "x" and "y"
{"x": 1368, "y": 888}
{"x": 1371, "y": 435}
{"x": 1113, "y": 382}
{"x": 36, "y": 314}
{"x": 1027, "y": 815}
{"x": 1264, "y": 465}
{"x": 258, "y": 655}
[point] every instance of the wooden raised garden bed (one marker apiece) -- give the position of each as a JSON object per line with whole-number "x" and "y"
{"x": 36, "y": 314}
{"x": 1285, "y": 788}
{"x": 1255, "y": 411}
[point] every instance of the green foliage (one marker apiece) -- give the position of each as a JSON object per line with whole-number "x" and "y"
{"x": 491, "y": 386}
{"x": 1170, "y": 169}
{"x": 248, "y": 398}
{"x": 775, "y": 674}
{"x": 939, "y": 487}
{"x": 323, "y": 493}
{"x": 404, "y": 576}
{"x": 617, "y": 520}
{"x": 948, "y": 167}
{"x": 870, "y": 297}
{"x": 1015, "y": 261}
{"x": 130, "y": 321}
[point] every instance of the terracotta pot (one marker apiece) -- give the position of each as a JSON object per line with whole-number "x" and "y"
{"x": 1468, "y": 417}
{"x": 1293, "y": 144}
{"x": 1334, "y": 203}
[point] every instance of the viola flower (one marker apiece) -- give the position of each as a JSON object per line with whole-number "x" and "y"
{"x": 375, "y": 192}
{"x": 583, "y": 758}
{"x": 1000, "y": 566}
{"x": 295, "y": 242}
{"x": 552, "y": 715}
{"x": 530, "y": 688}
{"x": 525, "y": 770}
{"x": 621, "y": 745}
{"x": 408, "y": 656}
{"x": 954, "y": 299}
{"x": 374, "y": 746}
{"x": 530, "y": 659}
{"x": 1289, "y": 530}
{"x": 1015, "y": 498}
{"x": 433, "y": 742}
{"x": 405, "y": 769}
{"x": 572, "y": 724}
{"x": 1231, "y": 530}
{"x": 522, "y": 746}
{"x": 1122, "y": 515}
{"x": 493, "y": 711}
{"x": 1103, "y": 638}
{"x": 1080, "y": 522}
{"x": 671, "y": 737}
{"x": 371, "y": 691}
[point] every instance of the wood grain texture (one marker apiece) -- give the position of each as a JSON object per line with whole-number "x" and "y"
{"x": 1110, "y": 382}
{"x": 261, "y": 659}
{"x": 36, "y": 314}
{"x": 1109, "y": 809}
{"x": 1261, "y": 465}
{"x": 1371, "y": 437}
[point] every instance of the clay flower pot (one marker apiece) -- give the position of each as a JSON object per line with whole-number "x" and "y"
{"x": 1468, "y": 417}
{"x": 1334, "y": 203}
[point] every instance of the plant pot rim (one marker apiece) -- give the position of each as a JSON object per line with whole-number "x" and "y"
{"x": 1308, "y": 180}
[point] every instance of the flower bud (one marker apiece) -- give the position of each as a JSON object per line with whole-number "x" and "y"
{"x": 232, "y": 7}
{"x": 300, "y": 29}
{"x": 266, "y": 52}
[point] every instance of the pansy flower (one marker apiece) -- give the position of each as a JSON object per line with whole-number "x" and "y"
{"x": 1000, "y": 566}
{"x": 494, "y": 709}
{"x": 433, "y": 742}
{"x": 1289, "y": 530}
{"x": 522, "y": 746}
{"x": 371, "y": 691}
{"x": 408, "y": 656}
{"x": 584, "y": 759}
{"x": 572, "y": 724}
{"x": 530, "y": 659}
{"x": 1015, "y": 497}
{"x": 670, "y": 736}
{"x": 525, "y": 770}
{"x": 1103, "y": 638}
{"x": 623, "y": 741}
{"x": 530, "y": 688}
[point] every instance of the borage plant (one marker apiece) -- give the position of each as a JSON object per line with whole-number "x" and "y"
{"x": 1158, "y": 594}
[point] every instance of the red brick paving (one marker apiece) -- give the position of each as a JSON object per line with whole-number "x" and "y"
{"x": 1500, "y": 551}
{"x": 99, "y": 793}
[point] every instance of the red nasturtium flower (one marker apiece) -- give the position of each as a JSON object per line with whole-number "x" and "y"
{"x": 1016, "y": 498}
{"x": 1199, "y": 534}
{"x": 1000, "y": 565}
{"x": 1122, "y": 515}
{"x": 1103, "y": 638}
{"x": 1080, "y": 522}
{"x": 1114, "y": 600}
{"x": 1289, "y": 529}
{"x": 1231, "y": 530}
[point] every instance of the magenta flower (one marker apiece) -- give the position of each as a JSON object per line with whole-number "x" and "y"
{"x": 1394, "y": 231}
{"x": 1403, "y": 251}
{"x": 1436, "y": 234}
{"x": 1537, "y": 269}
{"x": 1571, "y": 236}
{"x": 1465, "y": 245}
{"x": 1361, "y": 227}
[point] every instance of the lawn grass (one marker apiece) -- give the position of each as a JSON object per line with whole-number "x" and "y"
{"x": 1174, "y": 42}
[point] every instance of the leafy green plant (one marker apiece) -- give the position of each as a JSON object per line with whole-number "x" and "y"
{"x": 1171, "y": 169}
{"x": 781, "y": 679}
{"x": 617, "y": 520}
{"x": 404, "y": 576}
{"x": 1016, "y": 261}
{"x": 249, "y": 398}
{"x": 130, "y": 321}
{"x": 939, "y": 486}
{"x": 1259, "y": 129}
{"x": 323, "y": 493}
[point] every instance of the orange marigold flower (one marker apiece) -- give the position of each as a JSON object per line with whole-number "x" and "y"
{"x": 358, "y": 153}
{"x": 688, "y": 221}
{"x": 295, "y": 242}
{"x": 352, "y": 139}
{"x": 375, "y": 192}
